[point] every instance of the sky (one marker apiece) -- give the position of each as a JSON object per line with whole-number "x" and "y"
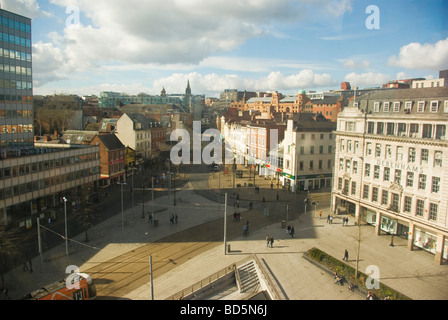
{"x": 85, "y": 47}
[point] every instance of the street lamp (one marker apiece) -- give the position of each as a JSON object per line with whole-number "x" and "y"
{"x": 65, "y": 216}
{"x": 122, "y": 211}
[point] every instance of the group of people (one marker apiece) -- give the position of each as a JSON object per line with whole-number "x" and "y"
{"x": 269, "y": 241}
{"x": 290, "y": 230}
{"x": 173, "y": 218}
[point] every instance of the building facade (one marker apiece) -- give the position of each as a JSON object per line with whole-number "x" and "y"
{"x": 16, "y": 92}
{"x": 391, "y": 165}
{"x": 33, "y": 180}
{"x": 308, "y": 153}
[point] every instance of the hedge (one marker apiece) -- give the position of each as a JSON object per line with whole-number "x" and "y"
{"x": 332, "y": 264}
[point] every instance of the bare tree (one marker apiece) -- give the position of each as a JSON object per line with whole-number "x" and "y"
{"x": 9, "y": 240}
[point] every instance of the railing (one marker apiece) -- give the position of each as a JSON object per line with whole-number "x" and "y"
{"x": 204, "y": 282}
{"x": 268, "y": 281}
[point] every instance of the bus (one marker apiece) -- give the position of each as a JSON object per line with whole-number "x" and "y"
{"x": 77, "y": 286}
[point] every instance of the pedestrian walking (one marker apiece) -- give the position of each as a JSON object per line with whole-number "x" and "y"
{"x": 268, "y": 240}
{"x": 292, "y": 232}
{"x": 175, "y": 218}
{"x": 320, "y": 214}
{"x": 6, "y": 293}
{"x": 31, "y": 265}
{"x": 271, "y": 242}
{"x": 245, "y": 230}
{"x": 328, "y": 219}
{"x": 331, "y": 220}
{"x": 345, "y": 255}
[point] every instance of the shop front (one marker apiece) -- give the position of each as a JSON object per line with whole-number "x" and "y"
{"x": 425, "y": 240}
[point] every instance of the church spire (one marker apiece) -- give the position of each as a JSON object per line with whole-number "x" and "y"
{"x": 188, "y": 90}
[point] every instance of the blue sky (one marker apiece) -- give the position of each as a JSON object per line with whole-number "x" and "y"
{"x": 85, "y": 47}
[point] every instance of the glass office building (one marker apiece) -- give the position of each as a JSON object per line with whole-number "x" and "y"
{"x": 16, "y": 89}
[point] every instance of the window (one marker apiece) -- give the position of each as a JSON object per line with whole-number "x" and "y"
{"x": 349, "y": 145}
{"x": 434, "y": 107}
{"x": 395, "y": 202}
{"x": 386, "y": 174}
{"x": 385, "y": 198}
{"x": 435, "y": 185}
{"x": 311, "y": 164}
{"x": 339, "y": 183}
{"x": 424, "y": 156}
{"x": 371, "y": 127}
{"x": 411, "y": 155}
{"x": 388, "y": 151}
{"x": 369, "y": 148}
{"x": 350, "y": 126}
{"x": 419, "y": 208}
{"x": 413, "y": 130}
{"x": 301, "y": 165}
{"x": 396, "y": 106}
{"x": 376, "y": 107}
{"x": 440, "y": 132}
{"x": 399, "y": 153}
{"x": 433, "y": 208}
{"x": 321, "y": 149}
{"x": 367, "y": 170}
{"x": 376, "y": 172}
{"x": 386, "y": 107}
{"x": 330, "y": 149}
{"x": 408, "y": 107}
{"x": 409, "y": 179}
{"x": 342, "y": 145}
{"x": 438, "y": 159}
{"x": 397, "y": 178}
{"x": 312, "y": 150}
{"x": 407, "y": 204}
{"x": 341, "y": 164}
{"x": 355, "y": 166}
{"x": 365, "y": 194}
{"x": 427, "y": 131}
{"x": 422, "y": 181}
{"x": 374, "y": 194}
{"x": 390, "y": 128}
{"x": 421, "y": 106}
{"x": 402, "y": 129}
{"x": 320, "y": 164}
{"x": 347, "y": 165}
{"x": 353, "y": 187}
{"x": 378, "y": 150}
{"x": 329, "y": 164}
{"x": 445, "y": 107}
{"x": 302, "y": 150}
{"x": 380, "y": 128}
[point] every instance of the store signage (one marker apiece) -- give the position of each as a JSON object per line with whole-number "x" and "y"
{"x": 398, "y": 165}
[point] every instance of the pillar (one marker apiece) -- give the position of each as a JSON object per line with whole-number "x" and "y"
{"x": 378, "y": 223}
{"x": 411, "y": 236}
{"x": 439, "y": 249}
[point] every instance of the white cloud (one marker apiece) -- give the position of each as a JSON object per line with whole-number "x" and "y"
{"x": 426, "y": 56}
{"x": 367, "y": 79}
{"x": 27, "y": 8}
{"x": 353, "y": 64}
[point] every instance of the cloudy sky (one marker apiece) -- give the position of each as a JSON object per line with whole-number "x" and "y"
{"x": 85, "y": 47}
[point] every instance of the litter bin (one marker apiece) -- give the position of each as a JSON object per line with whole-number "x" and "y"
{"x": 283, "y": 224}
{"x": 156, "y": 222}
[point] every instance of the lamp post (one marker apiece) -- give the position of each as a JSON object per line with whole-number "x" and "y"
{"x": 65, "y": 217}
{"x": 122, "y": 210}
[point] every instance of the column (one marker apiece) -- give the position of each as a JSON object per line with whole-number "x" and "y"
{"x": 411, "y": 236}
{"x": 378, "y": 223}
{"x": 439, "y": 249}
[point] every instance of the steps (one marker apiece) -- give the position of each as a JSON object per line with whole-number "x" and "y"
{"x": 248, "y": 277}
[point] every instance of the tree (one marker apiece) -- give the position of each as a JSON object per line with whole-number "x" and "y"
{"x": 9, "y": 240}
{"x": 86, "y": 218}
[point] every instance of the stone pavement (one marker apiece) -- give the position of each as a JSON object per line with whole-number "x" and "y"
{"x": 411, "y": 272}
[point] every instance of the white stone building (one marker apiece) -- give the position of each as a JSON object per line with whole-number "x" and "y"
{"x": 391, "y": 165}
